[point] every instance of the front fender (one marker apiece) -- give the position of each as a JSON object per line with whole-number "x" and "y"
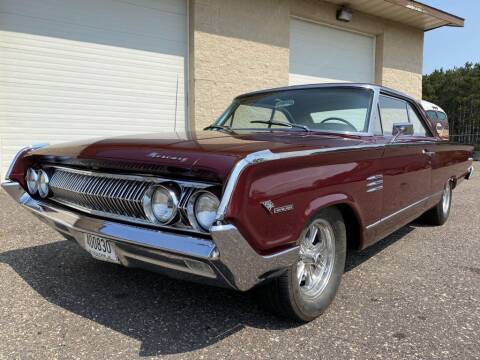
{"x": 301, "y": 187}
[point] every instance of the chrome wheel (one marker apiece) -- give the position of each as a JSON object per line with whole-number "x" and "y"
{"x": 317, "y": 257}
{"x": 447, "y": 194}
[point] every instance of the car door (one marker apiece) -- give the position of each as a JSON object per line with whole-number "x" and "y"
{"x": 406, "y": 166}
{"x": 440, "y": 156}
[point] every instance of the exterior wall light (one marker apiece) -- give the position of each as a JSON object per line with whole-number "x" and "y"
{"x": 344, "y": 14}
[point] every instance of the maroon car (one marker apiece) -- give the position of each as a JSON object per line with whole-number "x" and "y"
{"x": 272, "y": 195}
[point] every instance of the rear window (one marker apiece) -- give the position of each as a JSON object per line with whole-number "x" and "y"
{"x": 432, "y": 115}
{"x": 441, "y": 116}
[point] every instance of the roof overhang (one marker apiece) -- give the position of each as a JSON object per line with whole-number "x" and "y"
{"x": 408, "y": 12}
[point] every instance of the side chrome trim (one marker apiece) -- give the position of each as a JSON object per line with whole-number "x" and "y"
{"x": 374, "y": 183}
{"x": 267, "y": 155}
{"x": 402, "y": 210}
{"x": 470, "y": 172}
{"x": 19, "y": 154}
{"x": 375, "y": 189}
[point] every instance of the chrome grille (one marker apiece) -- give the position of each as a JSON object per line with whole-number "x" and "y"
{"x": 103, "y": 194}
{"x": 117, "y": 196}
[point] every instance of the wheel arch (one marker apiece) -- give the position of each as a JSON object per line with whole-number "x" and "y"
{"x": 350, "y": 213}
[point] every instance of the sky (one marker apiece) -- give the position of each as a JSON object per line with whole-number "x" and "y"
{"x": 448, "y": 47}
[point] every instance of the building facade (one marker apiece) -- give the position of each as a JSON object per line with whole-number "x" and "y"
{"x": 82, "y": 69}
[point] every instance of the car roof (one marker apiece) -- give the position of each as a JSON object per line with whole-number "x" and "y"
{"x": 330, "y": 85}
{"x": 431, "y": 106}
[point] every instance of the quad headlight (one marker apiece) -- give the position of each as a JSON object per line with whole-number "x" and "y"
{"x": 202, "y": 209}
{"x": 43, "y": 184}
{"x": 32, "y": 181}
{"x": 161, "y": 204}
{"x": 38, "y": 181}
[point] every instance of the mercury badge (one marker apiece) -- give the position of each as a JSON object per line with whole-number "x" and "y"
{"x": 270, "y": 207}
{"x": 156, "y": 155}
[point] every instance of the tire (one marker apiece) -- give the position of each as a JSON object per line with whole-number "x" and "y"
{"x": 438, "y": 215}
{"x": 308, "y": 287}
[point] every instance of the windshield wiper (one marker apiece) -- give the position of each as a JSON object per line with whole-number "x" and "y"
{"x": 281, "y": 123}
{"x": 221, "y": 128}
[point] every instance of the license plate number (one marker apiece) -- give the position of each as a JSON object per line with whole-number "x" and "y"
{"x": 100, "y": 248}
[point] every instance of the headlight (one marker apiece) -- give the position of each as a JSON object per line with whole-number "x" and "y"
{"x": 43, "y": 184}
{"x": 202, "y": 209}
{"x": 160, "y": 204}
{"x": 32, "y": 181}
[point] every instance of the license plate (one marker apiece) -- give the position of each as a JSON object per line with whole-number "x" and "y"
{"x": 100, "y": 248}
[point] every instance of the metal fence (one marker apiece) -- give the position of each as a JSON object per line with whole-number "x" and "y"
{"x": 466, "y": 129}
{"x": 472, "y": 138}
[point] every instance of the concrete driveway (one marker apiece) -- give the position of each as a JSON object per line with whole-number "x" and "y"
{"x": 415, "y": 295}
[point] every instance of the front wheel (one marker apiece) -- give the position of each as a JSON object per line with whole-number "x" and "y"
{"x": 309, "y": 286}
{"x": 438, "y": 215}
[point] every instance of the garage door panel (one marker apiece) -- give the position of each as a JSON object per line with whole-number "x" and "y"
{"x": 324, "y": 54}
{"x": 82, "y": 69}
{"x": 111, "y": 15}
{"x": 159, "y": 41}
{"x": 48, "y": 45}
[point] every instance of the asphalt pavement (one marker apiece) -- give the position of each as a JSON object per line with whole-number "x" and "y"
{"x": 414, "y": 295}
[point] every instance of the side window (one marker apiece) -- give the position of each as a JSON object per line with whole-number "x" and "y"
{"x": 418, "y": 127}
{"x": 392, "y": 111}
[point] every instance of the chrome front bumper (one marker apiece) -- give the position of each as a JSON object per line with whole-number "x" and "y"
{"x": 470, "y": 172}
{"x": 225, "y": 260}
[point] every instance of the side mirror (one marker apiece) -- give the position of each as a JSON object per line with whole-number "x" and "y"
{"x": 401, "y": 129}
{"x": 439, "y": 128}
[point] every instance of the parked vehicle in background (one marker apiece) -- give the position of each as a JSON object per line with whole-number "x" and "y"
{"x": 272, "y": 194}
{"x": 438, "y": 117}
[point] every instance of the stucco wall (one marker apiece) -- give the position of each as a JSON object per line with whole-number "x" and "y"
{"x": 239, "y": 46}
{"x": 403, "y": 59}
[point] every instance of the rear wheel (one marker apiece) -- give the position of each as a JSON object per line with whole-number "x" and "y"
{"x": 309, "y": 286}
{"x": 438, "y": 215}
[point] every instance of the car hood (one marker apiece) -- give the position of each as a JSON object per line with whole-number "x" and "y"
{"x": 208, "y": 155}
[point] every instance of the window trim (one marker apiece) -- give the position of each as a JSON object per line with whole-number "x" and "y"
{"x": 380, "y": 109}
{"x": 414, "y": 108}
{"x": 427, "y": 131}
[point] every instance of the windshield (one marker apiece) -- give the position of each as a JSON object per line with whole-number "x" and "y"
{"x": 339, "y": 109}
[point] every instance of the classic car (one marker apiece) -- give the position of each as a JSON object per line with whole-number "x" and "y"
{"x": 271, "y": 196}
{"x": 438, "y": 117}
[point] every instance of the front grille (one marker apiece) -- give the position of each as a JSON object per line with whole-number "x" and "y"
{"x": 116, "y": 196}
{"x": 101, "y": 194}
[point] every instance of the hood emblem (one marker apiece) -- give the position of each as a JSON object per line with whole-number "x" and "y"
{"x": 156, "y": 155}
{"x": 270, "y": 207}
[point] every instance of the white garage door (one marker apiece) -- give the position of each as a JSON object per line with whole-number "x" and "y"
{"x": 75, "y": 69}
{"x": 321, "y": 54}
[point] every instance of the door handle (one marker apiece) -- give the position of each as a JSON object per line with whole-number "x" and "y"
{"x": 428, "y": 152}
